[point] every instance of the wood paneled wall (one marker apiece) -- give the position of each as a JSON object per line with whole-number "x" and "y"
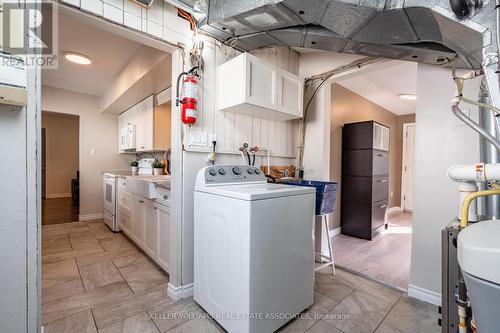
{"x": 232, "y": 130}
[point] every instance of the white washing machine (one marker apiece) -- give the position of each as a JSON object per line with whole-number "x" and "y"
{"x": 253, "y": 248}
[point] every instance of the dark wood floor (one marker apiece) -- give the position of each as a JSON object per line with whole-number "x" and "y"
{"x": 60, "y": 210}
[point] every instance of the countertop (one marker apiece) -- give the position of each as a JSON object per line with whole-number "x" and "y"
{"x": 120, "y": 174}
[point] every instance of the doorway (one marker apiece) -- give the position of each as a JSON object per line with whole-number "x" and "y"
{"x": 379, "y": 96}
{"x": 407, "y": 168}
{"x": 60, "y": 168}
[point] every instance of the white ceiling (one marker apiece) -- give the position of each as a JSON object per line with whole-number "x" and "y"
{"x": 384, "y": 86}
{"x": 109, "y": 54}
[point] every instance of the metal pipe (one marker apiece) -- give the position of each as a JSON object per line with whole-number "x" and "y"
{"x": 490, "y": 206}
{"x": 475, "y": 126}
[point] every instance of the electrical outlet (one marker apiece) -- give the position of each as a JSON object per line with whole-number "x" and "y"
{"x": 198, "y": 138}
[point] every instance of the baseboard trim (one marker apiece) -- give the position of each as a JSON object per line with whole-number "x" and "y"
{"x": 394, "y": 209}
{"x": 424, "y": 295}
{"x": 58, "y": 195}
{"x": 88, "y": 217}
{"x": 335, "y": 232}
{"x": 180, "y": 292}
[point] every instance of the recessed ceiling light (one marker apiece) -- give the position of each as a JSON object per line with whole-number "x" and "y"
{"x": 77, "y": 58}
{"x": 408, "y": 96}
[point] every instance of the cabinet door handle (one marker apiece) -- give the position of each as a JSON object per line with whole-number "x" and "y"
{"x": 383, "y": 206}
{"x": 141, "y": 201}
{"x": 381, "y": 155}
{"x": 382, "y": 181}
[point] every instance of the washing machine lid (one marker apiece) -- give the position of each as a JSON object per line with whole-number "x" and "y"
{"x": 256, "y": 191}
{"x": 479, "y": 250}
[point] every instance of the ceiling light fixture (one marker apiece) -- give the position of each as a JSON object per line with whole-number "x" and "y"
{"x": 408, "y": 96}
{"x": 77, "y": 58}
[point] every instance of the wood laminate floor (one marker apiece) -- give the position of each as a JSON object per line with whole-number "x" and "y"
{"x": 60, "y": 210}
{"x": 94, "y": 280}
{"x": 386, "y": 258}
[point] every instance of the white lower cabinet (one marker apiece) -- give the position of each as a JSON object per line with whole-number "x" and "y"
{"x": 149, "y": 228}
{"x": 124, "y": 221}
{"x": 139, "y": 220}
{"x": 163, "y": 236}
{"x": 151, "y": 232}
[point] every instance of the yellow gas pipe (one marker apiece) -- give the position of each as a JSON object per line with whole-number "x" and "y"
{"x": 464, "y": 211}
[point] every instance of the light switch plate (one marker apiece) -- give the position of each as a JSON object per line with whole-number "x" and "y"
{"x": 198, "y": 138}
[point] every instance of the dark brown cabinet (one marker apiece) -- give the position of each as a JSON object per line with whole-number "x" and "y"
{"x": 365, "y": 178}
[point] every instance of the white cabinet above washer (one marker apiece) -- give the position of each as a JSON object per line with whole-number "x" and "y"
{"x": 254, "y": 87}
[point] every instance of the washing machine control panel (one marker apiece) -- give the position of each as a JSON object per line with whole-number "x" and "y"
{"x": 218, "y": 174}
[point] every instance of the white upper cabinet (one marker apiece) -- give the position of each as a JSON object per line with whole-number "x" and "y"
{"x": 144, "y": 127}
{"x": 290, "y": 93}
{"x": 254, "y": 87}
{"x": 151, "y": 125}
{"x": 260, "y": 85}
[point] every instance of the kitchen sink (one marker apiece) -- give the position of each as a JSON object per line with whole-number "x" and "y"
{"x": 145, "y": 186}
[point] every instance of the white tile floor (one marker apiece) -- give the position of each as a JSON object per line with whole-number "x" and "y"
{"x": 96, "y": 281}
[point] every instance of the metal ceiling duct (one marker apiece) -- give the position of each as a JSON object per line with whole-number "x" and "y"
{"x": 416, "y": 30}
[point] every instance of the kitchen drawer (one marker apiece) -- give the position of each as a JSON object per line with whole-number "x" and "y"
{"x": 378, "y": 213}
{"x": 380, "y": 163}
{"x": 163, "y": 196}
{"x": 380, "y": 188}
{"x": 124, "y": 221}
{"x": 124, "y": 200}
{"x": 124, "y": 197}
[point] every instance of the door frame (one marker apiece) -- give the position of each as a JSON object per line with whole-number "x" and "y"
{"x": 403, "y": 163}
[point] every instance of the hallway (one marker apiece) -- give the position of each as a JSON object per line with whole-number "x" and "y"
{"x": 386, "y": 259}
{"x": 59, "y": 210}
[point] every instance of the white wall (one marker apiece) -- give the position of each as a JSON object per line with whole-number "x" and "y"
{"x": 13, "y": 219}
{"x": 317, "y": 140}
{"x": 441, "y": 141}
{"x": 20, "y": 212}
{"x": 231, "y": 131}
{"x": 98, "y": 143}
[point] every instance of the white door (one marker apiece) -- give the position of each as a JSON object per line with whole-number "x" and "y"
{"x": 149, "y": 122}
{"x": 407, "y": 172}
{"x": 151, "y": 229}
{"x": 290, "y": 93}
{"x": 140, "y": 129}
{"x": 260, "y": 79}
{"x": 139, "y": 219}
{"x": 163, "y": 218}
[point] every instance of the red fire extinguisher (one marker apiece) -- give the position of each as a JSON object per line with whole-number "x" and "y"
{"x": 189, "y": 96}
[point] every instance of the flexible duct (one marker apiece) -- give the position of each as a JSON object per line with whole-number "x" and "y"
{"x": 475, "y": 126}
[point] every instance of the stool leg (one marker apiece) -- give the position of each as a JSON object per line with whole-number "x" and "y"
{"x": 330, "y": 248}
